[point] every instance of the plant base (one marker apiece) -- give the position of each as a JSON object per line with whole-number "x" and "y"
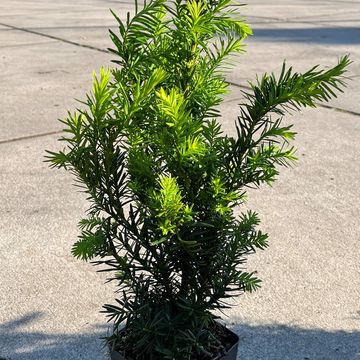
{"x": 231, "y": 352}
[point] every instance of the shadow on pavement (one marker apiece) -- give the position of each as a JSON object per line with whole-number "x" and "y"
{"x": 319, "y": 35}
{"x": 275, "y": 342}
{"x": 264, "y": 342}
{"x": 18, "y": 342}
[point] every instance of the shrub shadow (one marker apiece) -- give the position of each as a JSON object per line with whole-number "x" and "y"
{"x": 318, "y": 35}
{"x": 18, "y": 342}
{"x": 281, "y": 342}
{"x": 261, "y": 342}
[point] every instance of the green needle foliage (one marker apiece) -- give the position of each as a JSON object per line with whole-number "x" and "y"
{"x": 163, "y": 180}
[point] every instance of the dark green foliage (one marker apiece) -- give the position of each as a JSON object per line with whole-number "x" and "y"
{"x": 162, "y": 179}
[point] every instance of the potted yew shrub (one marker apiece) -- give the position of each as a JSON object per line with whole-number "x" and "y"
{"x": 163, "y": 180}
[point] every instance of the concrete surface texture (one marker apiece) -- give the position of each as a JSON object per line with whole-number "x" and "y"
{"x": 309, "y": 305}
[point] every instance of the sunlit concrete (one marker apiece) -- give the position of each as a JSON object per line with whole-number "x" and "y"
{"x": 308, "y": 307}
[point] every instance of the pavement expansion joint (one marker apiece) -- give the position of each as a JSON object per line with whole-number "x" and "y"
{"x": 278, "y": 20}
{"x": 27, "y": 137}
{"x": 54, "y": 37}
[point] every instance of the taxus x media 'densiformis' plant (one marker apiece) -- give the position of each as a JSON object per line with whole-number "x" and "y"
{"x": 162, "y": 179}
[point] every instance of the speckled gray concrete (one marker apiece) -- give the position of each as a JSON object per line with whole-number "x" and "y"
{"x": 309, "y": 306}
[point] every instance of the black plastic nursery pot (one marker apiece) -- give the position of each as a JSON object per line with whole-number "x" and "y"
{"x": 231, "y": 348}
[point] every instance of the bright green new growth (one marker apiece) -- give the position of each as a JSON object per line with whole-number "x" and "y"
{"x": 163, "y": 180}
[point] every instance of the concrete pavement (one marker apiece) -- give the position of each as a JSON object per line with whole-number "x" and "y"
{"x": 309, "y": 305}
